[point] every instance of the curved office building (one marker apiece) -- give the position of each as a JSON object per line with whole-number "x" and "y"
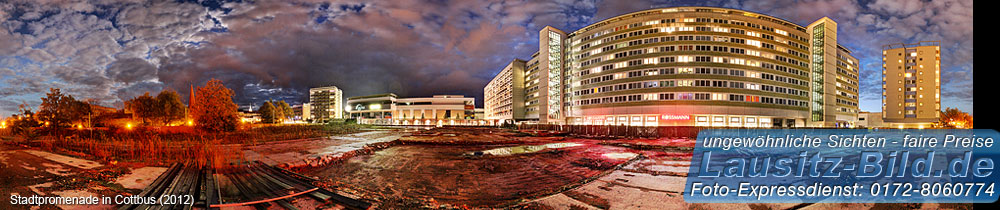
{"x": 700, "y": 66}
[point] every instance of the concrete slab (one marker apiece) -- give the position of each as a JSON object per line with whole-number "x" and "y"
{"x": 561, "y": 201}
{"x": 140, "y": 177}
{"x": 295, "y": 152}
{"x": 36, "y": 190}
{"x": 673, "y": 184}
{"x": 70, "y": 161}
{"x": 56, "y": 169}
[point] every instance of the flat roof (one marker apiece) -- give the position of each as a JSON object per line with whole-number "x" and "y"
{"x": 663, "y": 10}
{"x": 374, "y": 96}
{"x": 918, "y": 44}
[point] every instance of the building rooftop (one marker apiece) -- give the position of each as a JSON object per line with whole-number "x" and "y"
{"x": 374, "y": 96}
{"x": 687, "y": 9}
{"x": 918, "y": 44}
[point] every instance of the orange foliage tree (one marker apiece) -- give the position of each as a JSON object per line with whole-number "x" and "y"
{"x": 954, "y": 118}
{"x": 213, "y": 108}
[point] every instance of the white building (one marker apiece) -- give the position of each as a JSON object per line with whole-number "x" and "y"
{"x": 326, "y": 104}
{"x": 389, "y": 109}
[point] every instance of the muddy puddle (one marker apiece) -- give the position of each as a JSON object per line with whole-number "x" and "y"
{"x": 522, "y": 149}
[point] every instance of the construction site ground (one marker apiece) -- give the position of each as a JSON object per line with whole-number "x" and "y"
{"x": 405, "y": 168}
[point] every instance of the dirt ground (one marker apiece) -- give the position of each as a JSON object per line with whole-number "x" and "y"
{"x": 296, "y": 152}
{"x": 423, "y": 175}
{"x": 28, "y": 172}
{"x": 436, "y": 168}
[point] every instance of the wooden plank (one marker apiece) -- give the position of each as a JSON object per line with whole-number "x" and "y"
{"x": 212, "y": 194}
{"x": 174, "y": 186}
{"x": 155, "y": 185}
{"x": 246, "y": 191}
{"x": 166, "y": 186}
{"x": 271, "y": 187}
{"x": 321, "y": 195}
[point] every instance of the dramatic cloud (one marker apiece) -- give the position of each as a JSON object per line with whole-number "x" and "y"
{"x": 864, "y": 28}
{"x": 112, "y": 51}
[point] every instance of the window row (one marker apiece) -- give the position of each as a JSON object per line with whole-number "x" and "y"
{"x": 846, "y": 102}
{"x": 691, "y": 96}
{"x": 702, "y": 59}
{"x": 691, "y": 83}
{"x": 755, "y": 43}
{"x": 700, "y": 28}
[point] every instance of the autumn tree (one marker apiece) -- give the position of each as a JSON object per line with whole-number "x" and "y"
{"x": 169, "y": 107}
{"x": 269, "y": 113}
{"x": 213, "y": 108}
{"x": 286, "y": 109}
{"x": 953, "y": 118}
{"x": 60, "y": 110}
{"x": 23, "y": 122}
{"x": 144, "y": 107}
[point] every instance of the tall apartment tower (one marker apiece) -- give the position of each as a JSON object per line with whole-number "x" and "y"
{"x": 504, "y": 95}
{"x": 911, "y": 84}
{"x": 689, "y": 66}
{"x": 326, "y": 103}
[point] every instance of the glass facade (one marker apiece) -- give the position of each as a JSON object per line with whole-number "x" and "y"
{"x": 817, "y": 72}
{"x": 555, "y": 75}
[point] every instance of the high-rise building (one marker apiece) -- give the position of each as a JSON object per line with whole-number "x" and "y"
{"x": 911, "y": 84}
{"x": 689, "y": 66}
{"x": 326, "y": 103}
{"x": 504, "y": 96}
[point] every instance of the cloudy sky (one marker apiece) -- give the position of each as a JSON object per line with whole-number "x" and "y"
{"x": 110, "y": 51}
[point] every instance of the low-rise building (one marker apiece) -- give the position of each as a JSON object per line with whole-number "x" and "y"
{"x": 306, "y": 112}
{"x": 870, "y": 120}
{"x": 249, "y": 117}
{"x": 390, "y": 109}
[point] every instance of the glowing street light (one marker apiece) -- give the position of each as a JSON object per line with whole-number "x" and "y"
{"x": 128, "y": 126}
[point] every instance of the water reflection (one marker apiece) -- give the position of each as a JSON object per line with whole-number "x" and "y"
{"x": 522, "y": 149}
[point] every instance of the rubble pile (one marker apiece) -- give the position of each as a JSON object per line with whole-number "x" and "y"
{"x": 323, "y": 160}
